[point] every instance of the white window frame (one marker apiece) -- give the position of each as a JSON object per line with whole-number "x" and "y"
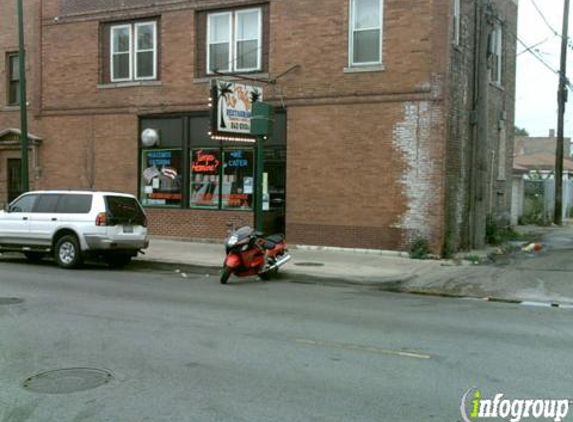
{"x": 259, "y": 40}
{"x": 497, "y": 50}
{"x": 352, "y": 30}
{"x": 233, "y": 40}
{"x": 137, "y": 25}
{"x": 112, "y": 54}
{"x": 209, "y": 43}
{"x": 457, "y": 21}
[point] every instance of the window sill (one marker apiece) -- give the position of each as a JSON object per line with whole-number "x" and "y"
{"x": 130, "y": 84}
{"x": 230, "y": 77}
{"x": 365, "y": 69}
{"x": 11, "y": 108}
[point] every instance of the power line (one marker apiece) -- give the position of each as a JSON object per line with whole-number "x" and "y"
{"x": 544, "y": 19}
{"x": 527, "y": 48}
{"x": 536, "y": 45}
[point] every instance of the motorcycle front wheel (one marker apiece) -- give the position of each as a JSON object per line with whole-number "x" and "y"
{"x": 225, "y": 274}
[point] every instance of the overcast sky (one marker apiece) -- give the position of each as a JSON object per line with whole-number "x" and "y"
{"x": 536, "y": 96}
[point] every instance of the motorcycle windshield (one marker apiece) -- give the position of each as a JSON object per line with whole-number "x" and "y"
{"x": 243, "y": 233}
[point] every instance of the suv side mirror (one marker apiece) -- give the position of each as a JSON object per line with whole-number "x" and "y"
{"x": 7, "y": 207}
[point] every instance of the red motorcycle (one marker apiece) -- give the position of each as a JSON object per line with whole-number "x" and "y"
{"x": 251, "y": 253}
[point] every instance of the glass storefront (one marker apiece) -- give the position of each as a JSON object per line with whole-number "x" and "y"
{"x": 187, "y": 169}
{"x": 161, "y": 177}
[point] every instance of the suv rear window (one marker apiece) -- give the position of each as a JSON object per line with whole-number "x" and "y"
{"x": 123, "y": 210}
{"x": 74, "y": 204}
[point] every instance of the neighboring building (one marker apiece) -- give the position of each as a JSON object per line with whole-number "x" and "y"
{"x": 534, "y": 172}
{"x": 376, "y": 134}
{"x": 529, "y": 145}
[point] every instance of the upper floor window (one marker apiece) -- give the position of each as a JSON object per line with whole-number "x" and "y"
{"x": 13, "y": 73}
{"x": 365, "y": 32}
{"x": 234, "y": 41}
{"x": 456, "y": 22}
{"x": 133, "y": 51}
{"x": 496, "y": 54}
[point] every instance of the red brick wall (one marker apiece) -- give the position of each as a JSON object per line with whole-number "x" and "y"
{"x": 195, "y": 224}
{"x": 366, "y": 150}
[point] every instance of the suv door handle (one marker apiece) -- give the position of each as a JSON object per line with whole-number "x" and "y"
{"x": 24, "y": 218}
{"x": 54, "y": 219}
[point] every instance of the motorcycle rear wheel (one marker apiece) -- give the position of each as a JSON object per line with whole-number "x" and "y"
{"x": 225, "y": 274}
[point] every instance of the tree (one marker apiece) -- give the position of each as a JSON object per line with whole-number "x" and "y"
{"x": 517, "y": 131}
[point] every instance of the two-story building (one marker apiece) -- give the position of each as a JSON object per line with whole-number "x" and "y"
{"x": 376, "y": 138}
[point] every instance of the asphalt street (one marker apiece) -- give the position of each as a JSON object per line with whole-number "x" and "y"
{"x": 182, "y": 347}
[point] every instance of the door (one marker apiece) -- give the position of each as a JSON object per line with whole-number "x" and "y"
{"x": 44, "y": 219}
{"x": 15, "y": 223}
{"x": 14, "y": 178}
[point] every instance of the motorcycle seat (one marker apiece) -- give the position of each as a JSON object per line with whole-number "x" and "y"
{"x": 270, "y": 242}
{"x": 275, "y": 238}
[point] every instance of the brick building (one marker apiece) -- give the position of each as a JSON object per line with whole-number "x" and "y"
{"x": 375, "y": 138}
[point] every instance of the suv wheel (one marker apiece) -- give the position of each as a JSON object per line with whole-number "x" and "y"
{"x": 67, "y": 253}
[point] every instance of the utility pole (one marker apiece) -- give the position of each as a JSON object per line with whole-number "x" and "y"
{"x": 561, "y": 100}
{"x": 23, "y": 105}
{"x": 480, "y": 147}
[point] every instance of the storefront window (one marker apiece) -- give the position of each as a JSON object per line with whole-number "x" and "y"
{"x": 161, "y": 177}
{"x": 238, "y": 183}
{"x": 205, "y": 176}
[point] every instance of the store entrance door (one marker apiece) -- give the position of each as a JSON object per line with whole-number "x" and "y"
{"x": 275, "y": 167}
{"x": 14, "y": 178}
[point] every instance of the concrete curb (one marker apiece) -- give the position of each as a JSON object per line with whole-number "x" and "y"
{"x": 495, "y": 299}
{"x": 294, "y": 275}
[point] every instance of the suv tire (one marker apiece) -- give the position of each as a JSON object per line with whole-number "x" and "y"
{"x": 67, "y": 252}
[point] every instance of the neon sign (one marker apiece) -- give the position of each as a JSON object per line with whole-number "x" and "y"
{"x": 205, "y": 163}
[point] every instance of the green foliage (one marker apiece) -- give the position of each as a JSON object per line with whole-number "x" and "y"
{"x": 518, "y": 131}
{"x": 496, "y": 234}
{"x": 448, "y": 249}
{"x": 420, "y": 248}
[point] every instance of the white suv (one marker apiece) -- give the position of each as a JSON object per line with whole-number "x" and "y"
{"x": 73, "y": 225}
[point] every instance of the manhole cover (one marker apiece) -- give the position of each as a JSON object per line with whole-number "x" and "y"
{"x": 65, "y": 381}
{"x": 310, "y": 264}
{"x": 10, "y": 300}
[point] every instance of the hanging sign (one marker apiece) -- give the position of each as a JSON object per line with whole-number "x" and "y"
{"x": 231, "y": 111}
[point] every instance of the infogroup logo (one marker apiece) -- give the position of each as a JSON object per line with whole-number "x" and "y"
{"x": 514, "y": 409}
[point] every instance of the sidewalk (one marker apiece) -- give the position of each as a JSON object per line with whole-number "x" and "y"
{"x": 335, "y": 265}
{"x": 542, "y": 276}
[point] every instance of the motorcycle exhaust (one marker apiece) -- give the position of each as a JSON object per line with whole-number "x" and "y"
{"x": 279, "y": 263}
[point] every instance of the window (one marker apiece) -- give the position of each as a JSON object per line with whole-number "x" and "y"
{"x": 238, "y": 183}
{"x": 133, "y": 51}
{"x": 234, "y": 41}
{"x": 161, "y": 177}
{"x": 46, "y": 203}
{"x": 495, "y": 68}
{"x": 365, "y": 32}
{"x": 236, "y": 172}
{"x": 456, "y": 22}
{"x": 13, "y": 71}
{"x": 205, "y": 175}
{"x": 75, "y": 204}
{"x": 124, "y": 210}
{"x": 23, "y": 204}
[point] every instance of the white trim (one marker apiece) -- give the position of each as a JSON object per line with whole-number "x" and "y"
{"x": 352, "y": 30}
{"x": 497, "y": 52}
{"x": 208, "y": 41}
{"x": 259, "y": 39}
{"x": 457, "y": 22}
{"x": 137, "y": 25}
{"x": 112, "y": 52}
